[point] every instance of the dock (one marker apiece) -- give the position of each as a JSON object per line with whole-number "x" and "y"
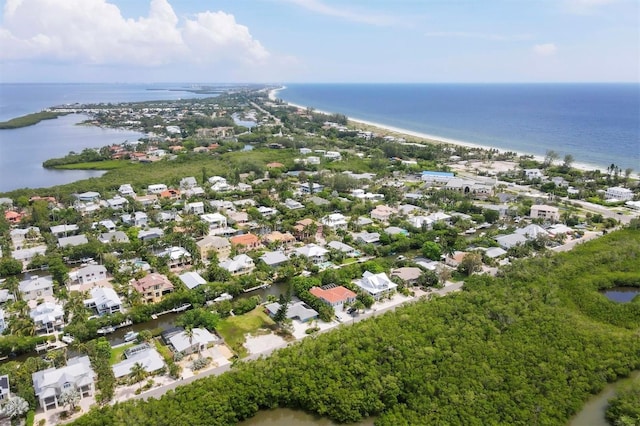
{"x": 258, "y": 287}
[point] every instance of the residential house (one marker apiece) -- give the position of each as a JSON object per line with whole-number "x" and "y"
{"x": 150, "y": 234}
{"x": 367, "y": 237}
{"x": 395, "y": 230}
{"x": 117, "y": 202}
{"x": 377, "y": 285}
{"x": 541, "y": 211}
{"x": 219, "y": 245}
{"x": 188, "y": 182}
{"x": 156, "y": 189}
{"x": 293, "y": 204}
{"x": 305, "y": 188}
{"x": 313, "y": 252}
{"x": 267, "y": 211}
{"x": 152, "y": 287}
{"x": 383, "y": 212}
{"x": 147, "y": 200}
{"x": 295, "y": 310}
{"x": 91, "y": 273}
{"x": 48, "y": 317}
{"x": 409, "y": 275}
{"x": 335, "y": 221}
{"x": 510, "y": 240}
{"x": 303, "y": 229}
{"x": 619, "y": 194}
{"x": 49, "y": 384}
{"x": 36, "y": 287}
{"x": 64, "y": 230}
{"x": 177, "y": 257}
{"x": 494, "y": 252}
{"x": 138, "y": 219}
{"x": 194, "y": 208}
{"x": 170, "y": 194}
{"x": 240, "y": 219}
{"x": 12, "y": 217}
{"x": 274, "y": 258}
{"x": 106, "y": 224}
{"x": 88, "y": 197}
{"x": 186, "y": 345}
{"x": 334, "y": 296}
{"x": 5, "y": 389}
{"x": 216, "y": 221}
{"x": 113, "y": 237}
{"x": 192, "y": 279}
{"x": 332, "y": 155}
{"x": 347, "y": 250}
{"x": 126, "y": 190}
{"x": 72, "y": 241}
{"x": 277, "y": 237}
{"x": 146, "y": 356}
{"x": 440, "y": 217}
{"x": 532, "y": 231}
{"x": 532, "y": 174}
{"x": 421, "y": 221}
{"x": 436, "y": 178}
{"x": 104, "y": 300}
{"x": 245, "y": 242}
{"x": 239, "y": 265}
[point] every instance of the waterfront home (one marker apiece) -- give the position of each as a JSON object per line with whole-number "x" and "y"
{"x": 177, "y": 257}
{"x": 194, "y": 208}
{"x": 274, "y": 258}
{"x": 192, "y": 279}
{"x": 152, "y": 287}
{"x": 616, "y": 193}
{"x": 211, "y": 243}
{"x": 26, "y": 255}
{"x": 49, "y": 384}
{"x": 245, "y": 242}
{"x": 334, "y": 296}
{"x": 541, "y": 211}
{"x": 383, "y": 212}
{"x": 36, "y": 287}
{"x": 104, "y": 300}
{"x": 91, "y": 273}
{"x": 88, "y": 197}
{"x": 532, "y": 174}
{"x": 72, "y": 241}
{"x": 377, "y": 285}
{"x": 113, "y": 237}
{"x": 295, "y": 310}
{"x": 335, "y": 221}
{"x": 24, "y": 237}
{"x": 47, "y": 317}
{"x": 148, "y": 357}
{"x": 313, "y": 252}
{"x": 117, "y": 202}
{"x": 277, "y": 237}
{"x": 239, "y": 265}
{"x": 199, "y": 341}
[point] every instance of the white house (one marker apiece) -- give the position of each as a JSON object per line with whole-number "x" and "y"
{"x": 531, "y": 174}
{"x": 192, "y": 279}
{"x": 332, "y": 155}
{"x": 510, "y": 240}
{"x": 139, "y": 219}
{"x": 214, "y": 220}
{"x": 91, "y": 273}
{"x": 274, "y": 258}
{"x": 545, "y": 212}
{"x": 377, "y": 285}
{"x": 188, "y": 182}
{"x": 36, "y": 287}
{"x": 313, "y": 252}
{"x": 194, "y": 208}
{"x": 383, "y": 213}
{"x": 157, "y": 188}
{"x": 117, "y": 202}
{"x": 367, "y": 237}
{"x": 126, "y": 190}
{"x": 618, "y": 193}
{"x": 177, "y": 257}
{"x": 200, "y": 340}
{"x": 49, "y": 384}
{"x": 306, "y": 189}
{"x": 72, "y": 241}
{"x": 143, "y": 354}
{"x": 104, "y": 300}
{"x": 239, "y": 265}
{"x": 335, "y": 221}
{"x": 48, "y": 317}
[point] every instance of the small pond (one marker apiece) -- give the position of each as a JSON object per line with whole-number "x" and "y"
{"x": 622, "y": 294}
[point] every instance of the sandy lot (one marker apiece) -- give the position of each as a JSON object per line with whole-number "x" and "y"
{"x": 258, "y": 344}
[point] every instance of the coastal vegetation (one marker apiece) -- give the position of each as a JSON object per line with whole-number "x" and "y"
{"x": 624, "y": 408}
{"x": 526, "y": 347}
{"x": 30, "y": 119}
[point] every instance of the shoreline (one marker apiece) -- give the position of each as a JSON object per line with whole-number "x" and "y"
{"x": 425, "y": 137}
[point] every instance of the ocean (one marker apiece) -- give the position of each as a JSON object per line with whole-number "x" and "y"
{"x": 598, "y": 124}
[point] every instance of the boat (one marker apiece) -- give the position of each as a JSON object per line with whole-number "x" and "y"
{"x": 67, "y": 338}
{"x": 106, "y": 330}
{"x": 130, "y": 335}
{"x": 182, "y": 307}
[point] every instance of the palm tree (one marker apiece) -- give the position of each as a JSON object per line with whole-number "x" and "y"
{"x": 188, "y": 332}
{"x": 69, "y": 397}
{"x": 16, "y": 407}
{"x": 138, "y": 373}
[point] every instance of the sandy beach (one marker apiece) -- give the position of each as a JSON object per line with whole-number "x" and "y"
{"x": 384, "y": 130}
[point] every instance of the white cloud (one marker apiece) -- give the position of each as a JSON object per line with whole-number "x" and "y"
{"x": 478, "y": 36}
{"x": 585, "y": 7}
{"x": 95, "y": 32}
{"x": 366, "y": 18}
{"x": 546, "y": 49}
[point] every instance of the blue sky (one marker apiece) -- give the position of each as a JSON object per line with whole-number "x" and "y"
{"x": 320, "y": 41}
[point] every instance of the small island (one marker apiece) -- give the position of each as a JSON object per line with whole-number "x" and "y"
{"x": 30, "y": 119}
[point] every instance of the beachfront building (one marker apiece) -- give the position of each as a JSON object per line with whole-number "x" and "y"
{"x": 542, "y": 211}
{"x": 618, "y": 193}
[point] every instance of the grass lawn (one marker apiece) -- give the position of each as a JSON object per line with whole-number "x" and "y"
{"x": 233, "y": 329}
{"x": 116, "y": 353}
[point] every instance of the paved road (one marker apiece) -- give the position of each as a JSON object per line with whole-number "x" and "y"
{"x": 159, "y": 391}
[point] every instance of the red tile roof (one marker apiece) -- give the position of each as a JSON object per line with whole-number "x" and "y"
{"x": 333, "y": 295}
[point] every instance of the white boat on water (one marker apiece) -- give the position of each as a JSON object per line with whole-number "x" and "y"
{"x": 182, "y": 307}
{"x": 106, "y": 330}
{"x": 130, "y": 335}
